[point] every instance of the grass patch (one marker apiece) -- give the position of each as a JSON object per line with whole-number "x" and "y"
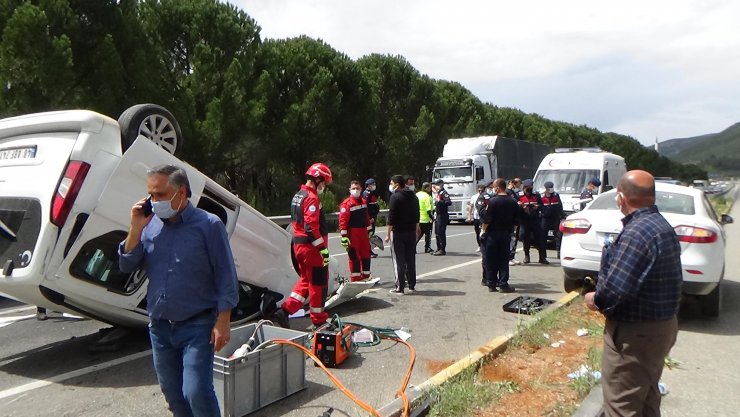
{"x": 532, "y": 333}
{"x": 584, "y": 383}
{"x": 466, "y": 393}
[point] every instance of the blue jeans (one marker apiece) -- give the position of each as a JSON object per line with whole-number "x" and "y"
{"x": 183, "y": 360}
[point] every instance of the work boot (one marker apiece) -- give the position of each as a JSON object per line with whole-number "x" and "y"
{"x": 506, "y": 288}
{"x": 526, "y": 257}
{"x": 544, "y": 261}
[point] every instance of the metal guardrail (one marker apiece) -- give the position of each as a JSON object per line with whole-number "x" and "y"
{"x": 285, "y": 219}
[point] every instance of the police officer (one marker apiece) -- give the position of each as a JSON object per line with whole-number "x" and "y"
{"x": 442, "y": 203}
{"x": 552, "y": 213}
{"x": 371, "y": 199}
{"x": 530, "y": 229}
{"x": 513, "y": 188}
{"x": 589, "y": 190}
{"x": 480, "y": 207}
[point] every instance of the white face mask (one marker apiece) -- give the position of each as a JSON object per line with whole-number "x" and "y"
{"x": 412, "y": 187}
{"x": 355, "y": 193}
{"x": 163, "y": 209}
{"x": 391, "y": 188}
{"x": 371, "y": 187}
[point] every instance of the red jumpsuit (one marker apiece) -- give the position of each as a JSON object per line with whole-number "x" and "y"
{"x": 310, "y": 236}
{"x": 354, "y": 223}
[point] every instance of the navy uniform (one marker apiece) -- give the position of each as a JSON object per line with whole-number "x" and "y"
{"x": 552, "y": 213}
{"x": 530, "y": 228}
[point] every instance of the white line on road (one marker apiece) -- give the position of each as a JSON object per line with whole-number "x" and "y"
{"x": 72, "y": 374}
{"x": 456, "y": 235}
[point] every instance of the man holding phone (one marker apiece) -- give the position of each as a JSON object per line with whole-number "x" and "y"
{"x": 192, "y": 288}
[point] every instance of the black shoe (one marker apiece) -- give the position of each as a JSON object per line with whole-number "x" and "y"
{"x": 373, "y": 255}
{"x": 492, "y": 289}
{"x": 428, "y": 250}
{"x": 506, "y": 289}
{"x": 281, "y": 318}
{"x": 440, "y": 253}
{"x": 484, "y": 283}
{"x": 544, "y": 261}
{"x": 526, "y": 259}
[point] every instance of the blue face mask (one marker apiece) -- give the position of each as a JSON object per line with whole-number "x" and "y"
{"x": 163, "y": 209}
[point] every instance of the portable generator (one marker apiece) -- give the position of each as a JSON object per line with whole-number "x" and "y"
{"x": 332, "y": 345}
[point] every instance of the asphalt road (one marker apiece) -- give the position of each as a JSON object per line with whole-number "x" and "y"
{"x": 47, "y": 369}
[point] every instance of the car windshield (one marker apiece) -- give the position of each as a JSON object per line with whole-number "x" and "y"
{"x": 676, "y": 203}
{"x": 465, "y": 173}
{"x": 567, "y": 181}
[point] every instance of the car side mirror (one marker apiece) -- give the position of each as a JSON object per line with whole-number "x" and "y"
{"x": 726, "y": 219}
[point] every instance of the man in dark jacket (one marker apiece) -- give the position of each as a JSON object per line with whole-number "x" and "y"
{"x": 552, "y": 213}
{"x": 403, "y": 228}
{"x": 530, "y": 228}
{"x": 442, "y": 204}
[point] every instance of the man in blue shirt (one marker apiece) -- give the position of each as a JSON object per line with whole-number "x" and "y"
{"x": 192, "y": 288}
{"x": 638, "y": 291}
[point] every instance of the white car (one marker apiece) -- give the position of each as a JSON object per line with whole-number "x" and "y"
{"x": 689, "y": 212}
{"x": 68, "y": 180}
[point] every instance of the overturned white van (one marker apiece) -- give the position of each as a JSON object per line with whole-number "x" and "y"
{"x": 570, "y": 169}
{"x": 68, "y": 180}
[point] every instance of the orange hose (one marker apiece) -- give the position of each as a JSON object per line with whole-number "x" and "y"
{"x": 365, "y": 406}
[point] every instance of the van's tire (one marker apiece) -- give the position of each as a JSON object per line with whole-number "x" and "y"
{"x": 153, "y": 122}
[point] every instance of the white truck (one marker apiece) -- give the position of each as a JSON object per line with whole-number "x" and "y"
{"x": 570, "y": 169}
{"x": 467, "y": 162}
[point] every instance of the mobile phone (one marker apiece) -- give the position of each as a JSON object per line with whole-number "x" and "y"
{"x": 146, "y": 209}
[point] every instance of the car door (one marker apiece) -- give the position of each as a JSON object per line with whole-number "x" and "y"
{"x": 88, "y": 277}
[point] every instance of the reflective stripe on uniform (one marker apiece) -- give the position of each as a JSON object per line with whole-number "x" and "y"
{"x": 317, "y": 309}
{"x": 318, "y": 241}
{"x": 298, "y": 297}
{"x": 358, "y": 207}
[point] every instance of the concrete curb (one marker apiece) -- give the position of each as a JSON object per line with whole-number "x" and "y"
{"x": 491, "y": 349}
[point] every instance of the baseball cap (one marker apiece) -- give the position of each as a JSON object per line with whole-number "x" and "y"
{"x": 549, "y": 184}
{"x": 528, "y": 182}
{"x": 595, "y": 181}
{"x": 369, "y": 181}
{"x": 439, "y": 181}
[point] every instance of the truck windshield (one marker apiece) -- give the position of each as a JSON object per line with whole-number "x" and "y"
{"x": 458, "y": 173}
{"x": 567, "y": 181}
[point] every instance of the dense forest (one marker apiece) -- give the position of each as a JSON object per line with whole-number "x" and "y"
{"x": 254, "y": 112}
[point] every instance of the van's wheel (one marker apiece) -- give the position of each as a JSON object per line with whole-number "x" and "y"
{"x": 711, "y": 303}
{"x": 154, "y": 123}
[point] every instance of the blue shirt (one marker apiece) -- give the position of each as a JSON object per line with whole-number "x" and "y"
{"x": 640, "y": 275}
{"x": 189, "y": 263}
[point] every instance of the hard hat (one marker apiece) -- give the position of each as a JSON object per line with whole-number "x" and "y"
{"x": 321, "y": 171}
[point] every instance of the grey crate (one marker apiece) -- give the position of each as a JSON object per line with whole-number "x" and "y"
{"x": 262, "y": 377}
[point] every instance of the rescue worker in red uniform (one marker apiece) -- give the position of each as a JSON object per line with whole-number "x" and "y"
{"x": 552, "y": 213}
{"x": 530, "y": 229}
{"x": 355, "y": 229}
{"x": 310, "y": 245}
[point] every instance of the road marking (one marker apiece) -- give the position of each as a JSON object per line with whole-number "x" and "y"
{"x": 449, "y": 268}
{"x": 17, "y": 310}
{"x": 449, "y": 236}
{"x": 40, "y": 383}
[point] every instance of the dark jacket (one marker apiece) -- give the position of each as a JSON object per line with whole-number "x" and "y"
{"x": 442, "y": 203}
{"x": 403, "y": 210}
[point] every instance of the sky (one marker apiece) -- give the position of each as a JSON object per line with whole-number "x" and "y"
{"x": 648, "y": 69}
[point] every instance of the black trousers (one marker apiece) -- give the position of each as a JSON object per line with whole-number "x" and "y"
{"x": 497, "y": 258}
{"x": 440, "y": 232}
{"x": 476, "y": 226}
{"x": 426, "y": 232}
{"x": 531, "y": 234}
{"x": 554, "y": 225}
{"x": 403, "y": 254}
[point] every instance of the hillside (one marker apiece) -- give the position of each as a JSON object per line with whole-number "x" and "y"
{"x": 717, "y": 152}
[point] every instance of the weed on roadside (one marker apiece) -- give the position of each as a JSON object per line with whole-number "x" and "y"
{"x": 466, "y": 393}
{"x": 671, "y": 363}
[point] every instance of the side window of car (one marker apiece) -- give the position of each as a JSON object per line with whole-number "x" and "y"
{"x": 97, "y": 262}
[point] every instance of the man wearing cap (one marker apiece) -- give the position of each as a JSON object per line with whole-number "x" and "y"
{"x": 552, "y": 213}
{"x": 442, "y": 203}
{"x": 371, "y": 199}
{"x": 481, "y": 207}
{"x": 473, "y": 215}
{"x": 530, "y": 229}
{"x": 588, "y": 192}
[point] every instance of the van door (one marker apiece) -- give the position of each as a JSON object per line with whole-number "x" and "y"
{"x": 89, "y": 278}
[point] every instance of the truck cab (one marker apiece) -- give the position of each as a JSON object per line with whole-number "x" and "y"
{"x": 570, "y": 169}
{"x": 461, "y": 177}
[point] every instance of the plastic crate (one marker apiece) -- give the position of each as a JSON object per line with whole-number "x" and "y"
{"x": 262, "y": 377}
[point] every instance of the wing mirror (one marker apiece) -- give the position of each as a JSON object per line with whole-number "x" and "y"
{"x": 726, "y": 219}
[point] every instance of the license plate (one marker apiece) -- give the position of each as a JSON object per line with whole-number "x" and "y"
{"x": 26, "y": 152}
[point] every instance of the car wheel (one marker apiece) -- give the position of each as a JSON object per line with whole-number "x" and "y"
{"x": 153, "y": 122}
{"x": 711, "y": 303}
{"x": 572, "y": 284}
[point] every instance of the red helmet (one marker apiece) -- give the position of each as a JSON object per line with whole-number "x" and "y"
{"x": 320, "y": 170}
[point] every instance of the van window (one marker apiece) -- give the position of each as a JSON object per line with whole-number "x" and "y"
{"x": 567, "y": 181}
{"x": 97, "y": 262}
{"x": 479, "y": 173}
